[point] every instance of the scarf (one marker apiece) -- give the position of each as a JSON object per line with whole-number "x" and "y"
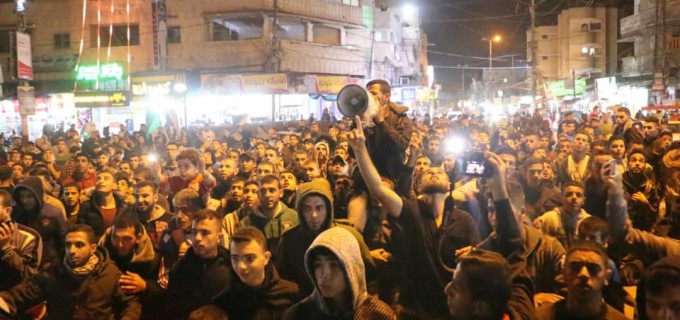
{"x": 84, "y": 270}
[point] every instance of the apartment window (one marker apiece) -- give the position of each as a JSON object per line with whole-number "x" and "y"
{"x": 326, "y": 35}
{"x": 4, "y": 41}
{"x": 118, "y": 38}
{"x": 354, "y": 3}
{"x": 62, "y": 40}
{"x": 237, "y": 29}
{"x": 174, "y": 34}
{"x": 290, "y": 29}
{"x": 595, "y": 26}
{"x": 587, "y": 52}
{"x": 544, "y": 57}
{"x": 544, "y": 37}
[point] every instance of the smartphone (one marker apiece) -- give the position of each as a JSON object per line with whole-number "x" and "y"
{"x": 612, "y": 167}
{"x": 475, "y": 165}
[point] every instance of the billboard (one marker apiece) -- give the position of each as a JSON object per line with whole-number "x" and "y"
{"x": 24, "y": 57}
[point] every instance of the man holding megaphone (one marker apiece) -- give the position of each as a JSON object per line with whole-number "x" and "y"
{"x": 387, "y": 126}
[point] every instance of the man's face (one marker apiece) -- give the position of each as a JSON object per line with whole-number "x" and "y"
{"x": 422, "y": 163}
{"x": 314, "y": 128}
{"x": 458, "y": 296}
{"x": 71, "y": 196}
{"x": 260, "y": 150}
{"x": 146, "y": 199}
{"x": 17, "y": 171}
{"x": 314, "y": 211}
{"x": 251, "y": 195}
{"x": 664, "y": 306}
{"x": 5, "y": 213}
{"x": 510, "y": 161}
{"x": 247, "y": 165}
{"x": 621, "y": 117}
{"x": 102, "y": 160}
{"x": 597, "y": 163}
{"x": 330, "y": 276}
{"x": 434, "y": 147}
{"x": 333, "y": 131}
{"x": 269, "y": 195}
{"x": 585, "y": 273}
{"x": 335, "y": 169}
{"x": 301, "y": 158}
{"x": 264, "y": 170}
{"x": 61, "y": 146}
{"x": 342, "y": 187}
{"x": 227, "y": 169}
{"x": 233, "y": 155}
{"x": 565, "y": 147}
{"x": 82, "y": 164}
{"x": 342, "y": 153}
{"x": 134, "y": 162}
{"x": 78, "y": 248}
{"x": 288, "y": 181}
{"x": 171, "y": 152}
{"x": 105, "y": 182}
{"x": 270, "y": 155}
{"x": 637, "y": 163}
{"x": 534, "y": 174}
{"x": 206, "y": 236}
{"x": 434, "y": 179}
{"x": 581, "y": 143}
{"x": 574, "y": 198}
{"x": 617, "y": 149}
{"x": 294, "y": 140}
{"x": 27, "y": 199}
{"x": 124, "y": 240}
{"x": 650, "y": 128}
{"x": 236, "y": 191}
{"x": 27, "y": 160}
{"x": 312, "y": 170}
{"x": 375, "y": 90}
{"x": 532, "y": 142}
{"x": 14, "y": 157}
{"x": 249, "y": 259}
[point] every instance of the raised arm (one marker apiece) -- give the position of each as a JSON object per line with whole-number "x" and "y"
{"x": 388, "y": 198}
{"x": 617, "y": 209}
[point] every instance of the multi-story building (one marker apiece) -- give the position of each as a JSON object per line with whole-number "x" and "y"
{"x": 654, "y": 30}
{"x": 221, "y": 58}
{"x": 583, "y": 45}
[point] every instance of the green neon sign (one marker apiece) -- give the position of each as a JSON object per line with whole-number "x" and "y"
{"x": 104, "y": 71}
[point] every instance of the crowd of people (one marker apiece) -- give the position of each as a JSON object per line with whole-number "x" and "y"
{"x": 349, "y": 219}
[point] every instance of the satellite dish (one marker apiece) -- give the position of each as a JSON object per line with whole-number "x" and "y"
{"x": 352, "y": 100}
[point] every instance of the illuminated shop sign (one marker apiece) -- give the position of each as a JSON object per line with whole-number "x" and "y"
{"x": 152, "y": 88}
{"x": 108, "y": 71}
{"x": 101, "y": 99}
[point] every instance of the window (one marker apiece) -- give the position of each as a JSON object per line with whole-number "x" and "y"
{"x": 544, "y": 57}
{"x": 354, "y": 3}
{"x": 326, "y": 35}
{"x": 290, "y": 29}
{"x": 544, "y": 37}
{"x": 588, "y": 52}
{"x": 62, "y": 40}
{"x": 595, "y": 26}
{"x": 118, "y": 37}
{"x": 4, "y": 41}
{"x": 237, "y": 29}
{"x": 174, "y": 34}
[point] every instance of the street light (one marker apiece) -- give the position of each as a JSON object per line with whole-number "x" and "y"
{"x": 181, "y": 88}
{"x": 491, "y": 40}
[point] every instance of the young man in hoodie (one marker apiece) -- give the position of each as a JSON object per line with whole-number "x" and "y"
{"x": 658, "y": 293}
{"x": 20, "y": 247}
{"x": 82, "y": 286}
{"x": 100, "y": 211}
{"x": 315, "y": 214}
{"x": 131, "y": 249}
{"x": 333, "y": 264}
{"x": 257, "y": 292}
{"x": 30, "y": 210}
{"x": 271, "y": 216}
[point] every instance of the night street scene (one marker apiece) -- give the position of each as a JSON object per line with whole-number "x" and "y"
{"x": 340, "y": 159}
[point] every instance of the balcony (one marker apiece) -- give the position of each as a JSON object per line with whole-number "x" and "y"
{"x": 306, "y": 57}
{"x": 632, "y": 25}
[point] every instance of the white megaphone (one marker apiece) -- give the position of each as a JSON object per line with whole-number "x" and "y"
{"x": 354, "y": 100}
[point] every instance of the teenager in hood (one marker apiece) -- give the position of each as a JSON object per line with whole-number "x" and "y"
{"x": 315, "y": 211}
{"x": 30, "y": 210}
{"x": 333, "y": 264}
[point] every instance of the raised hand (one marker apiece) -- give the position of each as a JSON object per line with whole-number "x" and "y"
{"x": 356, "y": 137}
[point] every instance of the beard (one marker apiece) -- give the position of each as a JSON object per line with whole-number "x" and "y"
{"x": 431, "y": 187}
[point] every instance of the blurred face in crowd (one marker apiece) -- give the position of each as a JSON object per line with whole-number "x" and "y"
{"x": 247, "y": 165}
{"x": 206, "y": 236}
{"x": 650, "y": 128}
{"x": 27, "y": 199}
{"x": 250, "y": 195}
{"x": 124, "y": 186}
{"x": 533, "y": 142}
{"x": 422, "y": 163}
{"x": 233, "y": 155}
{"x": 124, "y": 240}
{"x": 265, "y": 169}
{"x": 596, "y": 164}
{"x": 105, "y": 182}
{"x": 301, "y": 158}
{"x": 585, "y": 274}
{"x": 293, "y": 140}
{"x": 27, "y": 160}
{"x": 434, "y": 180}
{"x": 434, "y": 147}
{"x": 342, "y": 187}
{"x": 171, "y": 152}
{"x": 17, "y": 172}
{"x": 329, "y": 275}
{"x": 637, "y": 163}
{"x": 15, "y": 157}
{"x": 510, "y": 161}
{"x": 236, "y": 191}
{"x": 249, "y": 259}
{"x": 545, "y": 142}
{"x": 621, "y": 118}
{"x": 61, "y": 146}
{"x": 228, "y": 169}
{"x": 288, "y": 181}
{"x": 71, "y": 196}
{"x": 664, "y": 305}
{"x": 314, "y": 128}
{"x": 574, "y": 198}
{"x": 78, "y": 248}
{"x": 312, "y": 170}
{"x": 269, "y": 195}
{"x": 146, "y": 199}
{"x": 102, "y": 160}
{"x": 134, "y": 162}
{"x": 336, "y": 168}
{"x": 260, "y": 150}
{"x": 187, "y": 170}
{"x": 125, "y": 167}
{"x": 548, "y": 172}
{"x": 342, "y": 153}
{"x": 82, "y": 164}
{"x": 617, "y": 149}
{"x": 581, "y": 143}
{"x": 315, "y": 212}
{"x": 534, "y": 174}
{"x": 540, "y": 153}
{"x": 271, "y": 155}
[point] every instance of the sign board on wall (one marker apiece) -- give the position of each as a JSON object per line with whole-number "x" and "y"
{"x": 245, "y": 83}
{"x": 26, "y": 95}
{"x": 160, "y": 34}
{"x": 24, "y": 57}
{"x": 101, "y": 99}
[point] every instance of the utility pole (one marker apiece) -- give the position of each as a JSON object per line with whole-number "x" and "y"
{"x": 533, "y": 44}
{"x": 22, "y": 27}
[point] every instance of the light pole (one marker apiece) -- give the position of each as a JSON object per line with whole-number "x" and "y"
{"x": 181, "y": 88}
{"x": 491, "y": 40}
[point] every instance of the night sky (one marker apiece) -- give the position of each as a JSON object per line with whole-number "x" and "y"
{"x": 457, "y": 27}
